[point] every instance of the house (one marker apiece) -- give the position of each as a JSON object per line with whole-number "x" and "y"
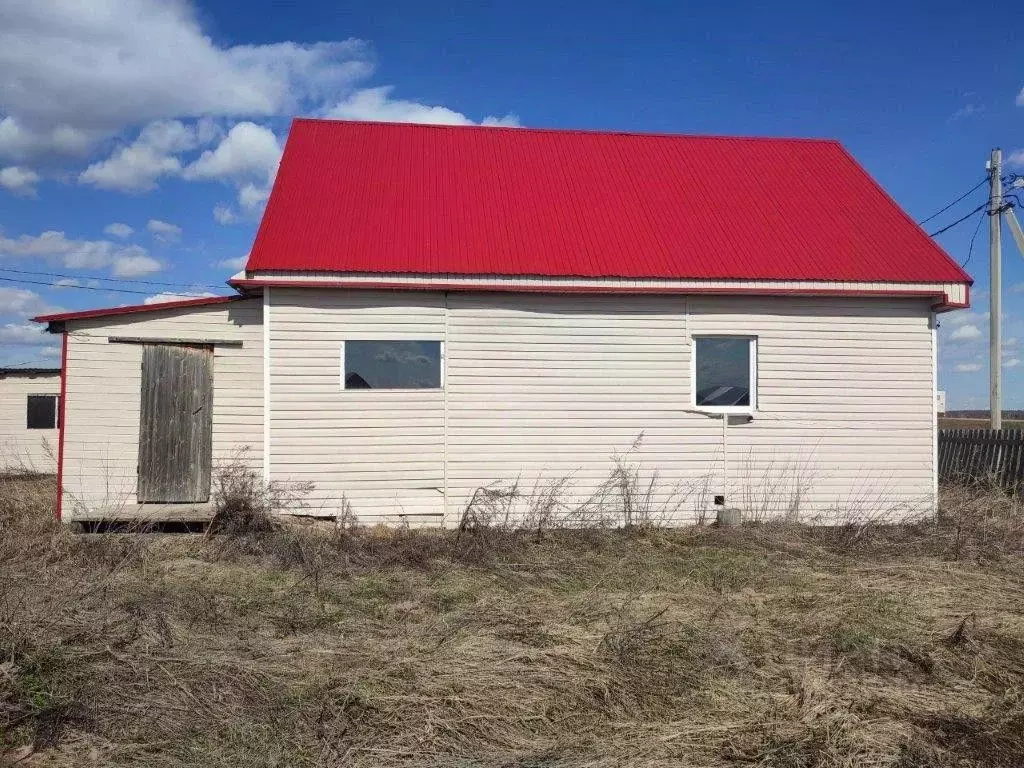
{"x": 29, "y": 419}
{"x": 427, "y": 311}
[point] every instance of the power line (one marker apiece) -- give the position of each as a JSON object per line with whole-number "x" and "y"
{"x": 958, "y": 221}
{"x": 81, "y": 287}
{"x": 950, "y": 205}
{"x": 970, "y": 249}
{"x": 129, "y": 280}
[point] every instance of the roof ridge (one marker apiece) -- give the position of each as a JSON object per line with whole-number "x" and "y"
{"x": 574, "y": 131}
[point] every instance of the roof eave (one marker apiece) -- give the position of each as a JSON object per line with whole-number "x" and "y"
{"x": 508, "y": 284}
{"x": 54, "y": 320}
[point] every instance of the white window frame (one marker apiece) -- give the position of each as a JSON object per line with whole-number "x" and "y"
{"x": 341, "y": 367}
{"x": 747, "y": 409}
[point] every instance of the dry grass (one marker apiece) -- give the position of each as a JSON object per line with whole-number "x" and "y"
{"x": 271, "y": 645}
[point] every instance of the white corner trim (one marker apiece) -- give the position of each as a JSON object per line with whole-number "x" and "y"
{"x": 444, "y": 408}
{"x": 933, "y": 326}
{"x": 266, "y": 386}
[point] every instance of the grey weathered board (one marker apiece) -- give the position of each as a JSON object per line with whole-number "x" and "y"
{"x": 969, "y": 455}
{"x": 176, "y": 425}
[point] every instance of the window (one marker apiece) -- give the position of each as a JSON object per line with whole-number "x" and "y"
{"x": 725, "y": 373}
{"x": 43, "y": 412}
{"x": 391, "y": 365}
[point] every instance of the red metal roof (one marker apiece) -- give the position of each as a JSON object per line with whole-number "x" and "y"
{"x": 129, "y": 310}
{"x": 397, "y": 198}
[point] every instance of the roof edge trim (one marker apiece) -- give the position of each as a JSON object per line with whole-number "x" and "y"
{"x": 942, "y": 303}
{"x": 134, "y": 308}
{"x": 13, "y": 371}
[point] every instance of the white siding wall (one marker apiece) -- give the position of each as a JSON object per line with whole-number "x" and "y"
{"x": 845, "y": 404}
{"x": 545, "y": 387}
{"x": 103, "y": 386}
{"x": 20, "y": 447}
{"x": 382, "y": 451}
{"x": 539, "y": 387}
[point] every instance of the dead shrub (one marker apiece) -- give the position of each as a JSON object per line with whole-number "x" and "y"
{"x": 500, "y": 519}
{"x": 993, "y": 738}
{"x": 981, "y": 520}
{"x": 244, "y": 504}
{"x": 658, "y": 659}
{"x": 834, "y": 739}
{"x": 489, "y": 525}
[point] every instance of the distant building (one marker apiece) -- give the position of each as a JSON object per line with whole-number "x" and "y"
{"x": 940, "y": 402}
{"x": 428, "y": 310}
{"x": 29, "y": 419}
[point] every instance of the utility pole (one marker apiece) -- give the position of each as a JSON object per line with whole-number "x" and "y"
{"x": 995, "y": 351}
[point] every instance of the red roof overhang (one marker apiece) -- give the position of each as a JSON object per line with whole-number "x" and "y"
{"x": 134, "y": 309}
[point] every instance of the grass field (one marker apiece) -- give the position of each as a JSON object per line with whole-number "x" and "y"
{"x": 259, "y": 646}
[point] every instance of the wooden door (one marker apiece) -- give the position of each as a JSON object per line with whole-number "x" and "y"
{"x": 176, "y": 425}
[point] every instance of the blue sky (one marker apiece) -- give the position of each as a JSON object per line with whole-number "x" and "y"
{"x": 167, "y": 117}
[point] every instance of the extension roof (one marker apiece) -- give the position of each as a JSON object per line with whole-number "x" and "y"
{"x": 28, "y": 372}
{"x": 84, "y": 314}
{"x": 389, "y": 199}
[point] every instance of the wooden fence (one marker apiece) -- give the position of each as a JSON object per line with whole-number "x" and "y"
{"x": 967, "y": 455}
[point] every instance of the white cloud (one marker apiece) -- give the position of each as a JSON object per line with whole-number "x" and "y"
{"x": 162, "y": 298}
{"x": 19, "y": 143}
{"x": 1013, "y": 362}
{"x": 960, "y": 317}
{"x": 89, "y": 69}
{"x": 21, "y": 301}
{"x": 50, "y": 351}
{"x": 967, "y": 110}
{"x": 377, "y": 104}
{"x": 233, "y": 264}
{"x": 966, "y": 333}
{"x": 1017, "y": 288}
{"x": 116, "y": 229}
{"x": 510, "y": 120}
{"x": 137, "y": 166}
{"x": 20, "y": 181}
{"x": 67, "y": 282}
{"x": 29, "y": 334}
{"x": 1016, "y": 157}
{"x": 163, "y": 230}
{"x": 968, "y": 367}
{"x": 252, "y": 198}
{"x": 135, "y": 265}
{"x": 56, "y": 248}
{"x": 248, "y": 158}
{"x": 224, "y": 215}
{"x": 248, "y": 152}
